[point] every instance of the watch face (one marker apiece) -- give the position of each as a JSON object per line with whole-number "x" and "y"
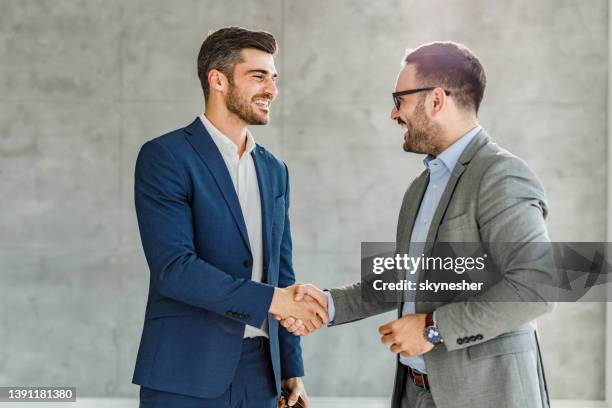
{"x": 432, "y": 335}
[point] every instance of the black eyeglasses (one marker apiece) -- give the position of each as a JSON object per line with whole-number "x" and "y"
{"x": 396, "y": 95}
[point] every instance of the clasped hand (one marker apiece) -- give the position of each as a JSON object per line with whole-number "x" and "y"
{"x": 404, "y": 336}
{"x": 300, "y": 307}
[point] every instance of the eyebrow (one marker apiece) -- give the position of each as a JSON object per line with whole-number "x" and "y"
{"x": 262, "y": 71}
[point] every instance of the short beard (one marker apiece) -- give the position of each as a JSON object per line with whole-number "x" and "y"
{"x": 238, "y": 104}
{"x": 422, "y": 133}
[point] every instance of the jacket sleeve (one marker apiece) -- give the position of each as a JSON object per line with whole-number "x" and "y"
{"x": 162, "y": 195}
{"x": 290, "y": 350}
{"x": 351, "y": 304}
{"x": 510, "y": 214}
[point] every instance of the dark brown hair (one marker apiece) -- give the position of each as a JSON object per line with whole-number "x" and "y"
{"x": 221, "y": 50}
{"x": 451, "y": 66}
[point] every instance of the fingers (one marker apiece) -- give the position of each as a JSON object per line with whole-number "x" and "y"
{"x": 388, "y": 338}
{"x": 288, "y": 322}
{"x": 309, "y": 325}
{"x": 302, "y": 290}
{"x": 316, "y": 314}
{"x": 305, "y": 399}
{"x": 298, "y": 328}
{"x": 395, "y": 348}
{"x": 294, "y": 392}
{"x": 386, "y": 328}
{"x": 317, "y": 309}
{"x": 294, "y": 326}
{"x": 293, "y": 398}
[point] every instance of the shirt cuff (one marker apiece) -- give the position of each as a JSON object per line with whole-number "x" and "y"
{"x": 331, "y": 310}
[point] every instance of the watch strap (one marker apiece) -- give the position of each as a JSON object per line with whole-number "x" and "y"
{"x": 429, "y": 321}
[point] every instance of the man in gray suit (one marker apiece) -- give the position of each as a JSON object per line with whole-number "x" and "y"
{"x": 478, "y": 353}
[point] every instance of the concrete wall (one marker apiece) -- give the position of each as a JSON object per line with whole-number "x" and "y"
{"x": 84, "y": 83}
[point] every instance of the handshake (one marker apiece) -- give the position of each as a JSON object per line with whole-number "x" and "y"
{"x": 300, "y": 308}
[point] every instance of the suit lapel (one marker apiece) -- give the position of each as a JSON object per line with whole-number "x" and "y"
{"x": 266, "y": 201}
{"x": 442, "y": 206}
{"x": 210, "y": 155}
{"x": 475, "y": 144}
{"x": 407, "y": 218}
{"x": 412, "y": 202}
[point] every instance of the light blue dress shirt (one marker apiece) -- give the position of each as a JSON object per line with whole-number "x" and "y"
{"x": 440, "y": 169}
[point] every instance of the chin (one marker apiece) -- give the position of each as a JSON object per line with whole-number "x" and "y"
{"x": 262, "y": 120}
{"x": 253, "y": 118}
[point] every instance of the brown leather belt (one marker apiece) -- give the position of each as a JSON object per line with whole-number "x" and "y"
{"x": 419, "y": 379}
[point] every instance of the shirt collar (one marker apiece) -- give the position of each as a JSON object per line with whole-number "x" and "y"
{"x": 224, "y": 143}
{"x": 450, "y": 156}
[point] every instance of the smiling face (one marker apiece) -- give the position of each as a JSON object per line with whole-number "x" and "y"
{"x": 252, "y": 87}
{"x": 421, "y": 132}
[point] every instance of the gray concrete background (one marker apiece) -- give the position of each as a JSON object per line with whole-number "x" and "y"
{"x": 84, "y": 83}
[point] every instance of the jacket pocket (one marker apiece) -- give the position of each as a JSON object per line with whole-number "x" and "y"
{"x": 458, "y": 229}
{"x": 454, "y": 223}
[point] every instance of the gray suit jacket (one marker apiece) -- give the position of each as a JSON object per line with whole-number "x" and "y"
{"x": 490, "y": 356}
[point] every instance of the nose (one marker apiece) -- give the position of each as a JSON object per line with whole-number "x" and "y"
{"x": 271, "y": 88}
{"x": 394, "y": 114}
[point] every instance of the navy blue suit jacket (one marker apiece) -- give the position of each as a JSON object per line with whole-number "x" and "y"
{"x": 195, "y": 240}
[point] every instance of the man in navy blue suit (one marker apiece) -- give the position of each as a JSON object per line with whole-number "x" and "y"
{"x": 212, "y": 209}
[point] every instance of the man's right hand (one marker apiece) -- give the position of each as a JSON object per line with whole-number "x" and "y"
{"x": 307, "y": 312}
{"x": 304, "y": 293}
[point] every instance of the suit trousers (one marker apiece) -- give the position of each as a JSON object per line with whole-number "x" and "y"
{"x": 413, "y": 396}
{"x": 252, "y": 387}
{"x": 416, "y": 397}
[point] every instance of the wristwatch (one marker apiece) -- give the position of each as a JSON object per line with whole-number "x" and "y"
{"x": 432, "y": 334}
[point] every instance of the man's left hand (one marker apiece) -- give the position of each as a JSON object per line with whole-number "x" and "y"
{"x": 295, "y": 386}
{"x": 406, "y": 335}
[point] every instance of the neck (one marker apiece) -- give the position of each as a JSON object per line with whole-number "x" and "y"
{"x": 230, "y": 125}
{"x": 455, "y": 133}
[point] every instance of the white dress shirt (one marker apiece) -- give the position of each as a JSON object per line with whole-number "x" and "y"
{"x": 244, "y": 177}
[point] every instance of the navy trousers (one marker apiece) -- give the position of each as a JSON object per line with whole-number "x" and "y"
{"x": 252, "y": 387}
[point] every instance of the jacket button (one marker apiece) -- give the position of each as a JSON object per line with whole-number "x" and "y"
{"x": 247, "y": 263}
{"x": 459, "y": 341}
{"x": 479, "y": 337}
{"x": 466, "y": 339}
{"x": 473, "y": 338}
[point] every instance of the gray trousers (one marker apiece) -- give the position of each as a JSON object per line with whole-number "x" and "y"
{"x": 416, "y": 397}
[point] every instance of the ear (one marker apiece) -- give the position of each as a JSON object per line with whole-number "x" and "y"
{"x": 217, "y": 81}
{"x": 439, "y": 101}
